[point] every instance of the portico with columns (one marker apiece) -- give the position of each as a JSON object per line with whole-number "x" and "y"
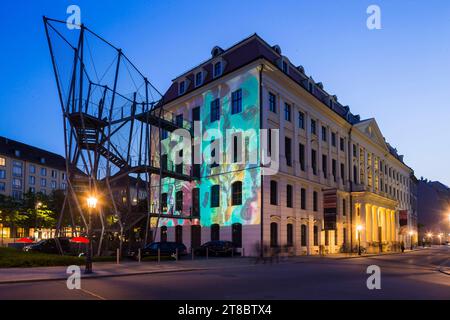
{"x": 379, "y": 220}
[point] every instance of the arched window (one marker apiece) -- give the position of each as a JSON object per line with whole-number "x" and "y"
{"x": 316, "y": 235}
{"x": 179, "y": 201}
{"x": 215, "y": 232}
{"x": 236, "y": 193}
{"x": 273, "y": 234}
{"x": 196, "y": 236}
{"x": 179, "y": 234}
{"x": 236, "y": 229}
{"x": 290, "y": 235}
{"x": 303, "y": 235}
{"x": 163, "y": 234}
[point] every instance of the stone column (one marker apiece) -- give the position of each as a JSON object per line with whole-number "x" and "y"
{"x": 310, "y": 236}
{"x": 308, "y": 146}
{"x": 369, "y": 223}
{"x": 362, "y": 221}
{"x": 375, "y": 224}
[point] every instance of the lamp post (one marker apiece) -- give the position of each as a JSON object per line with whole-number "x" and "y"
{"x": 91, "y": 203}
{"x": 359, "y": 229}
{"x": 38, "y": 205}
{"x": 411, "y": 239}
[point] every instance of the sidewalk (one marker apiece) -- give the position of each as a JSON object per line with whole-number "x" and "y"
{"x": 366, "y": 255}
{"x": 125, "y": 268}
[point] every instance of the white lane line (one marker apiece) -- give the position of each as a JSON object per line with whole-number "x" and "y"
{"x": 92, "y": 294}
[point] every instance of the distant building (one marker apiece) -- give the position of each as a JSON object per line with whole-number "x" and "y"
{"x": 433, "y": 209}
{"x": 24, "y": 168}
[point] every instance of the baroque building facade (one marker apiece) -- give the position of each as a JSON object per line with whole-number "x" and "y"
{"x": 339, "y": 183}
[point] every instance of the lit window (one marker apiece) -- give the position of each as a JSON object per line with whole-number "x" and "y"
{"x": 2, "y": 162}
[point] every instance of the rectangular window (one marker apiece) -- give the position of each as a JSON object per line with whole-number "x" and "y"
{"x": 198, "y": 78}
{"x": 325, "y": 166}
{"x": 2, "y": 186}
{"x": 17, "y": 169}
{"x": 217, "y": 69}
{"x": 324, "y": 133}
{"x": 54, "y": 174}
{"x": 32, "y": 180}
{"x": 354, "y": 150}
{"x": 196, "y": 114}
{"x": 164, "y": 201}
{"x": 287, "y": 112}
{"x": 285, "y": 67}
{"x": 301, "y": 120}
{"x": 237, "y": 152}
{"x": 215, "y": 196}
{"x": 315, "y": 201}
{"x": 32, "y": 168}
{"x": 314, "y": 161}
{"x": 2, "y": 162}
{"x": 53, "y": 184}
{"x": 341, "y": 144}
{"x": 289, "y": 203}
{"x": 164, "y": 134}
{"x": 43, "y": 182}
{"x": 342, "y": 172}
{"x": 215, "y": 110}
{"x": 333, "y": 169}
{"x": 182, "y": 87}
{"x": 273, "y": 192}
{"x": 303, "y": 198}
{"x": 2, "y": 174}
{"x": 333, "y": 139}
{"x": 287, "y": 151}
{"x": 272, "y": 102}
{"x": 313, "y": 126}
{"x": 344, "y": 207}
{"x": 179, "y": 120}
{"x": 16, "y": 194}
{"x": 43, "y": 172}
{"x": 17, "y": 183}
{"x": 236, "y": 101}
{"x": 301, "y": 151}
{"x": 179, "y": 201}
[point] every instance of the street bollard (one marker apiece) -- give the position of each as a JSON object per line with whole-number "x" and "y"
{"x": 139, "y": 255}
{"x": 207, "y": 252}
{"x": 159, "y": 257}
{"x": 118, "y": 256}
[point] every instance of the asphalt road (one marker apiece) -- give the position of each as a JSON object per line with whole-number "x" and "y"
{"x": 411, "y": 275}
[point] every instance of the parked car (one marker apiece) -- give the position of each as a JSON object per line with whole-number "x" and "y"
{"x": 165, "y": 249}
{"x": 216, "y": 248}
{"x": 49, "y": 246}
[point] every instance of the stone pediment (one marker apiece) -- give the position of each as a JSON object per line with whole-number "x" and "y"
{"x": 371, "y": 130}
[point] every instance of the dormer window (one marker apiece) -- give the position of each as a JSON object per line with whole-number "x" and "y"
{"x": 42, "y": 160}
{"x": 199, "y": 78}
{"x": 17, "y": 153}
{"x": 284, "y": 66}
{"x": 182, "y": 87}
{"x": 217, "y": 69}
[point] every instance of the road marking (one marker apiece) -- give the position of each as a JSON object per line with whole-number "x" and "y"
{"x": 93, "y": 294}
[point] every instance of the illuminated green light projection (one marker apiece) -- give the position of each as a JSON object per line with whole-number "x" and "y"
{"x": 246, "y": 121}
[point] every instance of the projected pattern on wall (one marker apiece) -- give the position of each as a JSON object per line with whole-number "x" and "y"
{"x": 225, "y": 174}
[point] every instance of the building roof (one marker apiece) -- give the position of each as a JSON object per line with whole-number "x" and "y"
{"x": 253, "y": 48}
{"x": 9, "y": 148}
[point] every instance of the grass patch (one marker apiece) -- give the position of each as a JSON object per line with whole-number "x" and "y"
{"x": 13, "y": 258}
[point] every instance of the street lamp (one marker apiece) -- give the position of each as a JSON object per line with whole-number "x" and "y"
{"x": 38, "y": 205}
{"x": 92, "y": 204}
{"x": 411, "y": 239}
{"x": 359, "y": 229}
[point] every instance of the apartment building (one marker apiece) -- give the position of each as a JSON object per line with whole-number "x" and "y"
{"x": 24, "y": 168}
{"x": 339, "y": 182}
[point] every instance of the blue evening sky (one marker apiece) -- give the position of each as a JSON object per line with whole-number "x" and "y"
{"x": 399, "y": 74}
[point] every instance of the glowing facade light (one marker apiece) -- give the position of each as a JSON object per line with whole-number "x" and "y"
{"x": 359, "y": 227}
{"x": 92, "y": 202}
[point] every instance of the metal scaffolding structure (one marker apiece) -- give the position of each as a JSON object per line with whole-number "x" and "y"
{"x": 113, "y": 120}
